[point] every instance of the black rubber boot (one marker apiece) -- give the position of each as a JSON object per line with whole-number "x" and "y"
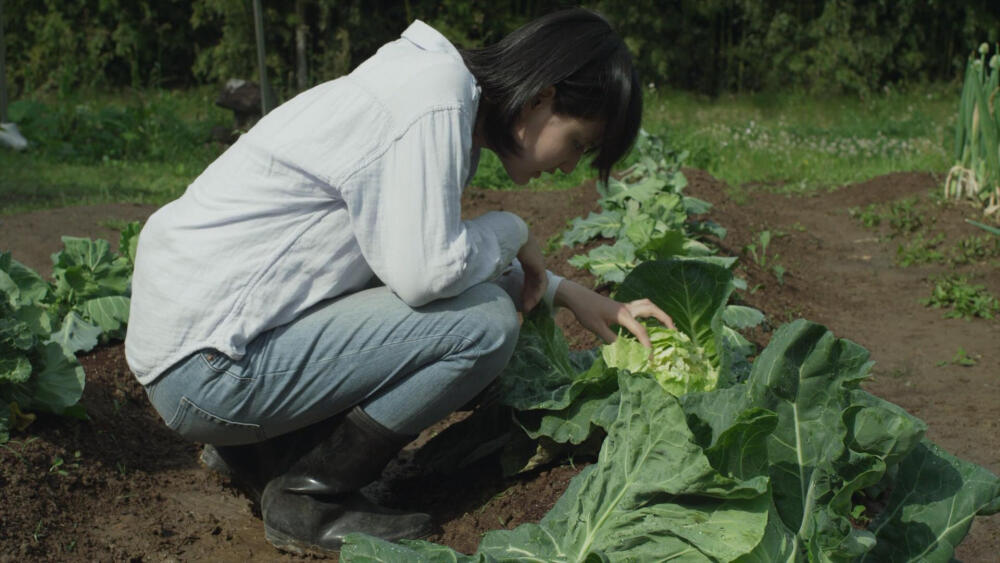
{"x": 312, "y": 505}
{"x": 248, "y": 467}
{"x": 251, "y": 466}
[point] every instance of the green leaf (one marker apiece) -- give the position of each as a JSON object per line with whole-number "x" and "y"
{"x": 21, "y": 283}
{"x": 934, "y": 498}
{"x": 595, "y": 406}
{"x": 58, "y": 385}
{"x": 641, "y": 192}
{"x": 128, "y": 241}
{"x": 542, "y": 374}
{"x": 609, "y": 507}
{"x": 695, "y": 206}
{"x": 985, "y": 227}
{"x": 76, "y": 334}
{"x": 605, "y": 224}
{"x": 16, "y": 333}
{"x": 741, "y": 316}
{"x": 16, "y": 369}
{"x": 110, "y": 313}
{"x": 87, "y": 268}
{"x": 608, "y": 263}
{"x": 364, "y": 548}
{"x": 85, "y": 252}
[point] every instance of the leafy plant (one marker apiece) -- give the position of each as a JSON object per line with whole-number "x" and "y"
{"x": 904, "y": 217}
{"x": 962, "y": 358}
{"x": 36, "y": 372}
{"x": 869, "y": 215}
{"x": 763, "y": 470}
{"x": 644, "y": 214}
{"x": 920, "y": 251}
{"x": 43, "y": 325}
{"x": 678, "y": 364}
{"x": 758, "y": 251}
{"x": 966, "y": 300}
{"x": 975, "y": 249}
{"x": 976, "y": 173}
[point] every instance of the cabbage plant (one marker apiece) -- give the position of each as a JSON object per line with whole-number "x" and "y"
{"x": 676, "y": 362}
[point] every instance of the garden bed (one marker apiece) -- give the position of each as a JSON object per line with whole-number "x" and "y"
{"x": 122, "y": 487}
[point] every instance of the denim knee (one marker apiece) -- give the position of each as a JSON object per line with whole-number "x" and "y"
{"x": 501, "y": 326}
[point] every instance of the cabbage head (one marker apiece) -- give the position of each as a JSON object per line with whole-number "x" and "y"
{"x": 677, "y": 363}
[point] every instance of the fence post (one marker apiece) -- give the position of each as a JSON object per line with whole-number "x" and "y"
{"x": 3, "y": 71}
{"x": 266, "y": 94}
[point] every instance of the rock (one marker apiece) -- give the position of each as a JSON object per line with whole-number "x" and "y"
{"x": 243, "y": 98}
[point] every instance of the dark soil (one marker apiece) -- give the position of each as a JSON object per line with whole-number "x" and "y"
{"x": 122, "y": 487}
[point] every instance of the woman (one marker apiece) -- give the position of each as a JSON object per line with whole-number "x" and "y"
{"x": 314, "y": 299}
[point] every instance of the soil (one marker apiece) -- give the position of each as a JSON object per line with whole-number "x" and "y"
{"x": 121, "y": 486}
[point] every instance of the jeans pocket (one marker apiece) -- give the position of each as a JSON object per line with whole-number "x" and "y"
{"x": 198, "y": 425}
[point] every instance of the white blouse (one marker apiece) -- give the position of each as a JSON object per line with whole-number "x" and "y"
{"x": 356, "y": 177}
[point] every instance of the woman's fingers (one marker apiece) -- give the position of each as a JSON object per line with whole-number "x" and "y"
{"x": 626, "y": 318}
{"x": 646, "y": 308}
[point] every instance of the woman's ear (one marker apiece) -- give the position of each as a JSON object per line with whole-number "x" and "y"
{"x": 546, "y": 95}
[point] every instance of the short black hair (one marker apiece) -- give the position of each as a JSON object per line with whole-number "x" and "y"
{"x": 579, "y": 53}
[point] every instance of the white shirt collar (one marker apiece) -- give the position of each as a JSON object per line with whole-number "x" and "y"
{"x": 428, "y": 38}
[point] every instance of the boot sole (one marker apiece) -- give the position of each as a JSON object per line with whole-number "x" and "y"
{"x": 284, "y": 542}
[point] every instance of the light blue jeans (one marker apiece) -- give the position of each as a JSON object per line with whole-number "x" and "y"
{"x": 406, "y": 367}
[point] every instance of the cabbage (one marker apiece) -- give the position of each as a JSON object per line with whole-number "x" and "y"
{"x": 677, "y": 363}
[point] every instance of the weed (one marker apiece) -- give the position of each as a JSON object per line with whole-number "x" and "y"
{"x": 962, "y": 358}
{"x": 58, "y": 462}
{"x": 966, "y": 300}
{"x": 975, "y": 249}
{"x": 779, "y": 273}
{"x": 858, "y": 514}
{"x": 904, "y": 217}
{"x": 762, "y": 259}
{"x": 37, "y": 534}
{"x": 869, "y": 216}
{"x": 920, "y": 251}
{"x": 763, "y": 241}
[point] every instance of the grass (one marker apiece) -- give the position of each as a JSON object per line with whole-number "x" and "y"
{"x": 133, "y": 146}
{"x": 795, "y": 143}
{"x": 147, "y": 146}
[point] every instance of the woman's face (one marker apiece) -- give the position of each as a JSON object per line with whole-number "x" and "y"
{"x": 549, "y": 141}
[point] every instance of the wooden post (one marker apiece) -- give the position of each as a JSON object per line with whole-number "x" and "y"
{"x": 3, "y": 71}
{"x": 301, "y": 35}
{"x": 266, "y": 95}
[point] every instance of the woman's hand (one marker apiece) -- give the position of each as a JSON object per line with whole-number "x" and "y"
{"x": 597, "y": 313}
{"x": 535, "y": 279}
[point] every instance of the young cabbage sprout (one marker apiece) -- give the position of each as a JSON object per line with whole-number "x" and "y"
{"x": 677, "y": 363}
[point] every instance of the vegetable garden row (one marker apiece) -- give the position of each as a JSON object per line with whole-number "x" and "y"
{"x": 709, "y": 451}
{"x": 708, "y": 448}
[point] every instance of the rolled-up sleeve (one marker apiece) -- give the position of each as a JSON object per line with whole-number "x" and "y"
{"x": 405, "y": 209}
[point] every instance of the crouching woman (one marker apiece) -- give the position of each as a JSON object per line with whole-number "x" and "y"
{"x": 315, "y": 299}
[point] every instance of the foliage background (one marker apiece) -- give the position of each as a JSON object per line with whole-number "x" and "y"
{"x": 709, "y": 46}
